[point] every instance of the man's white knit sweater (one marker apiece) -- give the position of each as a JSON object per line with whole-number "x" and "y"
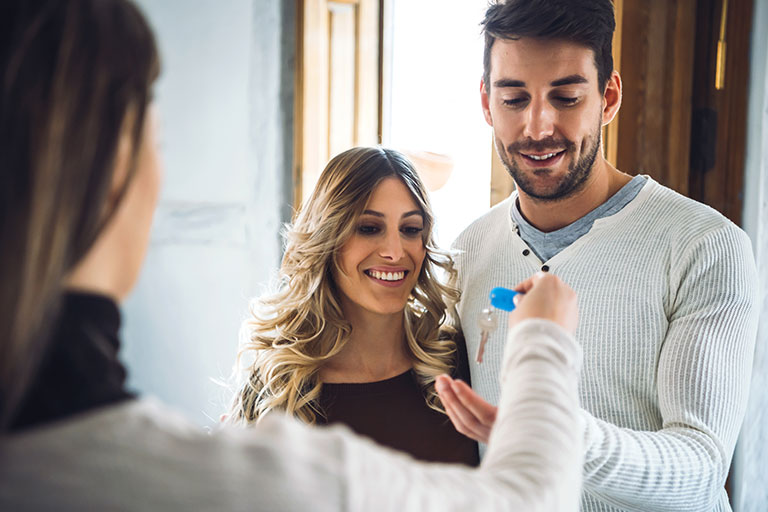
{"x": 667, "y": 321}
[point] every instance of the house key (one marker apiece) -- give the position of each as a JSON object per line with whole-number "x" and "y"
{"x": 487, "y": 323}
{"x": 501, "y": 298}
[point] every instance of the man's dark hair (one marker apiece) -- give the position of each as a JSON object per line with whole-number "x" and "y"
{"x": 587, "y": 22}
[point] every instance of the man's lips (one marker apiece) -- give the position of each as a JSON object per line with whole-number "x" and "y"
{"x": 542, "y": 159}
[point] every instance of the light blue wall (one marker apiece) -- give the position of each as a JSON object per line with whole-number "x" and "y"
{"x": 751, "y": 460}
{"x": 224, "y": 100}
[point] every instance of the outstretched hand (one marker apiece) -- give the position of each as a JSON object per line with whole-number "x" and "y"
{"x": 470, "y": 414}
{"x": 545, "y": 296}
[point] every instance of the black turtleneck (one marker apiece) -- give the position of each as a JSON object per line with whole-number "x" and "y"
{"x": 81, "y": 370}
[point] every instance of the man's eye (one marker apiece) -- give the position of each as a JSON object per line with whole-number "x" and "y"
{"x": 367, "y": 229}
{"x": 512, "y": 102}
{"x": 566, "y": 101}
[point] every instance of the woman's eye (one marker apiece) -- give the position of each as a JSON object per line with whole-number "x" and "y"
{"x": 367, "y": 229}
{"x": 412, "y": 231}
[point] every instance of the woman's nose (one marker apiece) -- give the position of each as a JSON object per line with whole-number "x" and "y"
{"x": 392, "y": 246}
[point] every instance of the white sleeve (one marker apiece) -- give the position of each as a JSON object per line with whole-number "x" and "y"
{"x": 141, "y": 456}
{"x": 703, "y": 378}
{"x": 534, "y": 457}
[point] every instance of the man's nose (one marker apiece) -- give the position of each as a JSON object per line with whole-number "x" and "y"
{"x": 540, "y": 120}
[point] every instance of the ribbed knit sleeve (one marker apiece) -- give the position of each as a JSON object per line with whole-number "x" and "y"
{"x": 533, "y": 462}
{"x": 142, "y": 456}
{"x": 703, "y": 379}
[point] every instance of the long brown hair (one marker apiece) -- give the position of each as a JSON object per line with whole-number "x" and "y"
{"x": 295, "y": 330}
{"x": 72, "y": 72}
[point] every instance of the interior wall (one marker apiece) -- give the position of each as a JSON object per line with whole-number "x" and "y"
{"x": 225, "y": 104}
{"x": 751, "y": 461}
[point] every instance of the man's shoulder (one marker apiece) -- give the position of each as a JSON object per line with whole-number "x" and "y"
{"x": 671, "y": 210}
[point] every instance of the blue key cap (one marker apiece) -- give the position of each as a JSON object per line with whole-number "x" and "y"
{"x": 501, "y": 298}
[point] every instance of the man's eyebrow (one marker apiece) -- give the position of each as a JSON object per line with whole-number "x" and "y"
{"x": 569, "y": 80}
{"x": 406, "y": 214}
{"x": 507, "y": 82}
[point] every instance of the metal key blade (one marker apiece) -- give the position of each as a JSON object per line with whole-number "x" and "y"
{"x": 481, "y": 347}
{"x": 487, "y": 323}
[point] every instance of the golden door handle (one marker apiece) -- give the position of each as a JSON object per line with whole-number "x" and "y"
{"x": 721, "y": 46}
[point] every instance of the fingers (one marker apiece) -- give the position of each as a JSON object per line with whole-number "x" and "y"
{"x": 479, "y": 408}
{"x": 547, "y": 297}
{"x": 525, "y": 286}
{"x": 463, "y": 418}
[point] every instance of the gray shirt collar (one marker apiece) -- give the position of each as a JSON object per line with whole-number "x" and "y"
{"x": 547, "y": 245}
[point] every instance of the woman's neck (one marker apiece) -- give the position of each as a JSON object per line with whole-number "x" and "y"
{"x": 376, "y": 350}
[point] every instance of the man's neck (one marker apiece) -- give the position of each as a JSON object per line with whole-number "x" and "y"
{"x": 550, "y": 215}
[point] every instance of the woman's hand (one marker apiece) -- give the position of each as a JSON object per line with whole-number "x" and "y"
{"x": 470, "y": 414}
{"x": 545, "y": 296}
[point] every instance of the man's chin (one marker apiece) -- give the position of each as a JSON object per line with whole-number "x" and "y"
{"x": 539, "y": 182}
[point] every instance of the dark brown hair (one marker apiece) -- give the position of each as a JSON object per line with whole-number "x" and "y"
{"x": 73, "y": 74}
{"x": 587, "y": 22}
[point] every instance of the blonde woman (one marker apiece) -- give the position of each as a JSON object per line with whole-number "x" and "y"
{"x": 358, "y": 331}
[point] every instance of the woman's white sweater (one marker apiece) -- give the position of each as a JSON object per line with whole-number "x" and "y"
{"x": 141, "y": 456}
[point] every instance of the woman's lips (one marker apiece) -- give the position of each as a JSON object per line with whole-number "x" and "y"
{"x": 389, "y": 278}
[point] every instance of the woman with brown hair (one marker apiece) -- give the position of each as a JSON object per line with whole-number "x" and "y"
{"x": 76, "y": 88}
{"x": 359, "y": 328}
{"x": 79, "y": 180}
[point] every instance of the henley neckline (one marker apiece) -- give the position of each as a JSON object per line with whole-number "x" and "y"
{"x": 599, "y": 224}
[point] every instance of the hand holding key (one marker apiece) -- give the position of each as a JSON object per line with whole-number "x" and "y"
{"x": 501, "y": 298}
{"x": 546, "y": 297}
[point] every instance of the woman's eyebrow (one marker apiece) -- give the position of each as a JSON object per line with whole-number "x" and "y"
{"x": 412, "y": 213}
{"x": 406, "y": 214}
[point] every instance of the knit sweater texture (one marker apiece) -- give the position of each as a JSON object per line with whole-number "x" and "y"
{"x": 668, "y": 315}
{"x": 139, "y": 455}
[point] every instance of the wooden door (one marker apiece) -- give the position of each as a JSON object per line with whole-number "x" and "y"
{"x": 338, "y": 85}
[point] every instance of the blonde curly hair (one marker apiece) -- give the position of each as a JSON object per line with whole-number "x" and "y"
{"x": 292, "y": 332}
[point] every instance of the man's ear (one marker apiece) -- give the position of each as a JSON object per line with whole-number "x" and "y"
{"x": 611, "y": 98}
{"x": 485, "y": 102}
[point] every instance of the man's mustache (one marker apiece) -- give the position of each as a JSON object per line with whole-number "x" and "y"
{"x": 550, "y": 144}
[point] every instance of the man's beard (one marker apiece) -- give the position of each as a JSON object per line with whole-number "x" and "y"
{"x": 571, "y": 183}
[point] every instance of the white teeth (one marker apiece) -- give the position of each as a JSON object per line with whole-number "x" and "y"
{"x": 387, "y": 276}
{"x": 541, "y": 157}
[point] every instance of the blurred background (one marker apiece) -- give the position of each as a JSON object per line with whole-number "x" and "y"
{"x": 256, "y": 95}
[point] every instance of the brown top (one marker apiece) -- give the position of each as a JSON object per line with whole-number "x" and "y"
{"x": 393, "y": 413}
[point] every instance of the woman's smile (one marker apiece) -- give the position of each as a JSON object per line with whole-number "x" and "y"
{"x": 380, "y": 263}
